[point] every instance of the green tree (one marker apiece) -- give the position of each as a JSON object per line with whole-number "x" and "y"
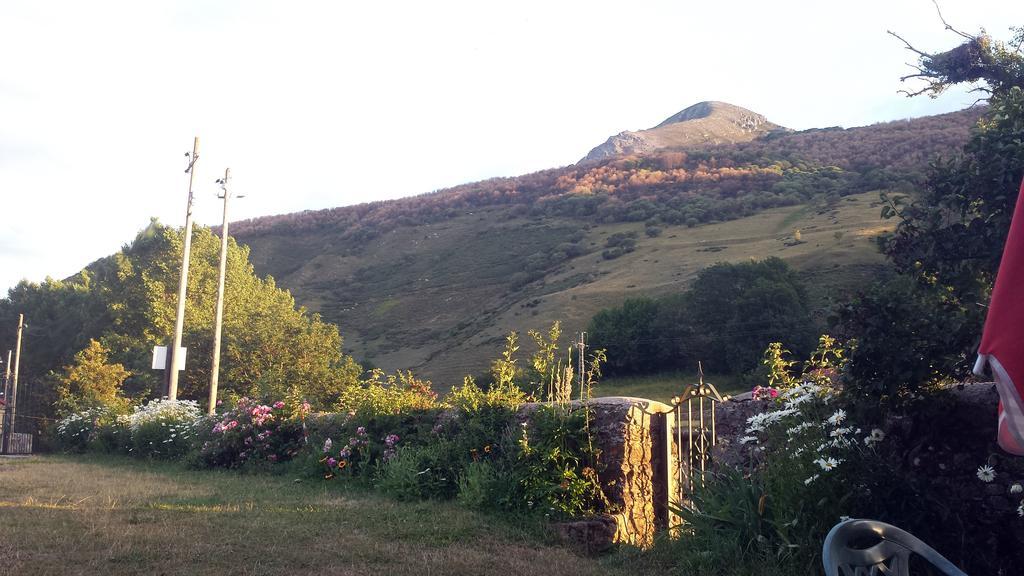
{"x": 733, "y": 310}
{"x": 127, "y": 303}
{"x": 92, "y": 381}
{"x": 949, "y": 240}
{"x": 629, "y": 336}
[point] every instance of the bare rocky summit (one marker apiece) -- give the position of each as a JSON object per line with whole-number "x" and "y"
{"x": 700, "y": 125}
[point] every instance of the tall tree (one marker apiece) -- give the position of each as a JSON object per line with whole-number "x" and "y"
{"x": 126, "y": 302}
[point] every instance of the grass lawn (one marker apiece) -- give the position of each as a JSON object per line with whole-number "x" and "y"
{"x": 66, "y": 515}
{"x": 662, "y": 387}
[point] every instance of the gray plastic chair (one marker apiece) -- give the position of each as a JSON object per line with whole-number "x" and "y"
{"x": 889, "y": 556}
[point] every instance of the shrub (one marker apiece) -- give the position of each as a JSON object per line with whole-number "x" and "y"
{"x": 479, "y": 485}
{"x": 251, "y": 433}
{"x": 389, "y": 394}
{"x": 79, "y": 431}
{"x": 910, "y": 337}
{"x": 556, "y": 466}
{"x": 805, "y": 467}
{"x": 421, "y": 472}
{"x": 163, "y": 428}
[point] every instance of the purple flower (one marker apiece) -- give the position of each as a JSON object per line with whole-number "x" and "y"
{"x": 327, "y": 445}
{"x": 331, "y": 462}
{"x": 361, "y": 431}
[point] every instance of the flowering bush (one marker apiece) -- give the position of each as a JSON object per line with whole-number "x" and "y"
{"x": 803, "y": 467}
{"x": 251, "y": 433}
{"x": 83, "y": 430}
{"x": 163, "y": 428}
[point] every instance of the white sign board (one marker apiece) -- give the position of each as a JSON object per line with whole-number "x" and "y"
{"x": 160, "y": 357}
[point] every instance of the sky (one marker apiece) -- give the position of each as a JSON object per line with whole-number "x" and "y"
{"x": 322, "y": 104}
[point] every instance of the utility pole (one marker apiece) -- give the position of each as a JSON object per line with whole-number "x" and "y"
{"x": 7, "y": 403}
{"x": 179, "y": 321}
{"x": 12, "y": 402}
{"x": 219, "y": 318}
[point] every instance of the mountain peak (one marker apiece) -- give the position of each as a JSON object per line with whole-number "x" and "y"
{"x": 703, "y": 124}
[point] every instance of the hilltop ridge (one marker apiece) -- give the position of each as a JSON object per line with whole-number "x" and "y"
{"x": 707, "y": 123}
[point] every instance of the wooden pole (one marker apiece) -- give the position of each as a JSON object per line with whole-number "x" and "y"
{"x": 12, "y": 402}
{"x": 7, "y": 405}
{"x": 179, "y": 321}
{"x": 219, "y": 318}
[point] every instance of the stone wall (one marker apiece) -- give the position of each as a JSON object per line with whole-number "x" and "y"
{"x": 633, "y": 435}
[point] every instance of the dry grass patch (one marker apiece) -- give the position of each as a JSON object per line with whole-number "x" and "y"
{"x": 70, "y": 516}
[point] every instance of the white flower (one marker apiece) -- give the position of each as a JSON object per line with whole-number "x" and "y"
{"x": 747, "y": 439}
{"x": 1016, "y": 488}
{"x": 838, "y": 432}
{"x": 1020, "y": 509}
{"x": 877, "y": 435}
{"x": 836, "y": 418}
{"x": 799, "y": 428}
{"x": 986, "y": 473}
{"x": 827, "y": 464}
{"x": 811, "y": 479}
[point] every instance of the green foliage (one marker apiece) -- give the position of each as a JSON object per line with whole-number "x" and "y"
{"x": 734, "y": 309}
{"x": 632, "y": 334}
{"x": 126, "y": 302}
{"x": 723, "y": 321}
{"x": 504, "y": 370}
{"x": 388, "y": 394}
{"x": 557, "y": 463}
{"x": 90, "y": 428}
{"x": 911, "y": 335}
{"x": 795, "y": 484}
{"x": 480, "y": 485}
{"x": 956, "y": 229}
{"x": 91, "y": 381}
{"x": 420, "y": 472}
{"x": 949, "y": 239}
{"x": 543, "y": 359}
{"x": 618, "y": 244}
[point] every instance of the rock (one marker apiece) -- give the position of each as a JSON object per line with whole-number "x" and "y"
{"x": 589, "y": 536}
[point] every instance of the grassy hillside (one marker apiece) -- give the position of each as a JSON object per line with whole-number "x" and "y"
{"x": 434, "y": 282}
{"x": 438, "y": 298}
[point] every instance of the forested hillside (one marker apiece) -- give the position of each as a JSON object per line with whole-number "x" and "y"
{"x": 432, "y": 282}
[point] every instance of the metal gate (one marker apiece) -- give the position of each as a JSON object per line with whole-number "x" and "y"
{"x": 693, "y": 418}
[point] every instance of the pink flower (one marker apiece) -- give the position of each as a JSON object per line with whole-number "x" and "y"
{"x": 278, "y": 405}
{"x": 272, "y": 457}
{"x": 361, "y": 431}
